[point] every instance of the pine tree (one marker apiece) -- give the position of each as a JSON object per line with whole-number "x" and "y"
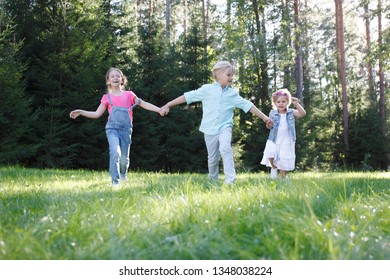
{"x": 16, "y": 116}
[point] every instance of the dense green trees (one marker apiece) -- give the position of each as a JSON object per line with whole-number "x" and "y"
{"x": 54, "y": 55}
{"x": 16, "y": 114}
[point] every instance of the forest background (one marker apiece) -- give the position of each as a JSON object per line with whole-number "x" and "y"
{"x": 333, "y": 55}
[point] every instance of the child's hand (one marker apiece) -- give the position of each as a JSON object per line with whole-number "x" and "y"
{"x": 164, "y": 111}
{"x": 294, "y": 100}
{"x": 269, "y": 123}
{"x": 74, "y": 114}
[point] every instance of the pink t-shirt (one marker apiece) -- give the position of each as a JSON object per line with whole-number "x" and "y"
{"x": 127, "y": 99}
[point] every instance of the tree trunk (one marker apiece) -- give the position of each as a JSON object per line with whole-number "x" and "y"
{"x": 261, "y": 72}
{"x": 298, "y": 52}
{"x": 229, "y": 12}
{"x": 371, "y": 85}
{"x": 287, "y": 43}
{"x": 382, "y": 100}
{"x": 342, "y": 71}
{"x": 263, "y": 60}
{"x": 256, "y": 54}
{"x": 204, "y": 23}
{"x": 151, "y": 9}
{"x": 306, "y": 65}
{"x": 185, "y": 18}
{"x": 168, "y": 19}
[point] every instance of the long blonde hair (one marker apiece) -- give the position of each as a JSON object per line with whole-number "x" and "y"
{"x": 123, "y": 78}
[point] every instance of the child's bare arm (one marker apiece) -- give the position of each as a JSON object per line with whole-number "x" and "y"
{"x": 149, "y": 106}
{"x": 89, "y": 114}
{"x": 179, "y": 100}
{"x": 254, "y": 110}
{"x": 299, "y": 112}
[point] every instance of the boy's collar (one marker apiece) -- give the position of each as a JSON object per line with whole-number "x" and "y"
{"x": 216, "y": 83}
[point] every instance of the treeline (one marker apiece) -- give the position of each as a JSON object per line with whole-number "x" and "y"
{"x": 54, "y": 55}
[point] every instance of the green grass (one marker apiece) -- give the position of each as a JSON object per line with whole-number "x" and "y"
{"x": 57, "y": 214}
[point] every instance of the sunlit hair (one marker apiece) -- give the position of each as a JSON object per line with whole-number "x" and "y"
{"x": 123, "y": 78}
{"x": 281, "y": 92}
{"x": 222, "y": 66}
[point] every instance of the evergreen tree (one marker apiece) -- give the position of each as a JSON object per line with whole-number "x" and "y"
{"x": 16, "y": 116}
{"x": 147, "y": 79}
{"x": 250, "y": 132}
{"x": 66, "y": 47}
{"x": 184, "y": 143}
{"x": 69, "y": 45}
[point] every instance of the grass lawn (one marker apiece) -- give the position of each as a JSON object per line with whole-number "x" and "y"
{"x": 77, "y": 215}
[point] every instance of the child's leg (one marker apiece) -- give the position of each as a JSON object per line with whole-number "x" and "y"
{"x": 115, "y": 153}
{"x": 212, "y": 145}
{"x": 283, "y": 173}
{"x": 124, "y": 162}
{"x": 271, "y": 161}
{"x": 225, "y": 141}
{"x": 274, "y": 169}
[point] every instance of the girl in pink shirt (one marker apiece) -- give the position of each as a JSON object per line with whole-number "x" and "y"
{"x": 119, "y": 126}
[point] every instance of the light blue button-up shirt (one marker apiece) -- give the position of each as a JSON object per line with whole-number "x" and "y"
{"x": 218, "y": 106}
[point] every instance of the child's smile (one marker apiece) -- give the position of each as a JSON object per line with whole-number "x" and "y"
{"x": 114, "y": 79}
{"x": 281, "y": 103}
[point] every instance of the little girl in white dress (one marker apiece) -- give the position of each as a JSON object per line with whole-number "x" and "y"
{"x": 279, "y": 152}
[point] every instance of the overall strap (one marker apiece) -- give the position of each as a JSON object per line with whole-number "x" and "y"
{"x": 136, "y": 103}
{"x": 109, "y": 99}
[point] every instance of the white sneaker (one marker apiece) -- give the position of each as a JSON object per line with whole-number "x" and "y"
{"x": 123, "y": 178}
{"x": 274, "y": 173}
{"x": 115, "y": 184}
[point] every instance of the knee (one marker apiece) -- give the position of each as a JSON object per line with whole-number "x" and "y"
{"x": 115, "y": 152}
{"x": 225, "y": 150}
{"x": 213, "y": 159}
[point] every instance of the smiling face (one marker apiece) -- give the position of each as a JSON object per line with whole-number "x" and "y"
{"x": 281, "y": 103}
{"x": 281, "y": 100}
{"x": 224, "y": 77}
{"x": 115, "y": 80}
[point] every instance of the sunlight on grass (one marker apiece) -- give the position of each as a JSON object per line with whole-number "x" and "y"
{"x": 76, "y": 214}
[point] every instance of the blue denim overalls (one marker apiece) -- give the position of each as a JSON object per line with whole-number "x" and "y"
{"x": 118, "y": 130}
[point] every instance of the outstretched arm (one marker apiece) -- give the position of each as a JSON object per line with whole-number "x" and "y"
{"x": 149, "y": 106}
{"x": 89, "y": 114}
{"x": 179, "y": 100}
{"x": 255, "y": 111}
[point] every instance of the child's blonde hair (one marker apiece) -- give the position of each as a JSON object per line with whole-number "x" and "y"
{"x": 222, "y": 66}
{"x": 279, "y": 93}
{"x": 123, "y": 78}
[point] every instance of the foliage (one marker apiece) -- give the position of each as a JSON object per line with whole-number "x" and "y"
{"x": 367, "y": 149}
{"x": 16, "y": 116}
{"x": 55, "y": 56}
{"x": 74, "y": 214}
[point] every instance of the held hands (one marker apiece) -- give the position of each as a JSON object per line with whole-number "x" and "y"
{"x": 269, "y": 123}
{"x": 164, "y": 110}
